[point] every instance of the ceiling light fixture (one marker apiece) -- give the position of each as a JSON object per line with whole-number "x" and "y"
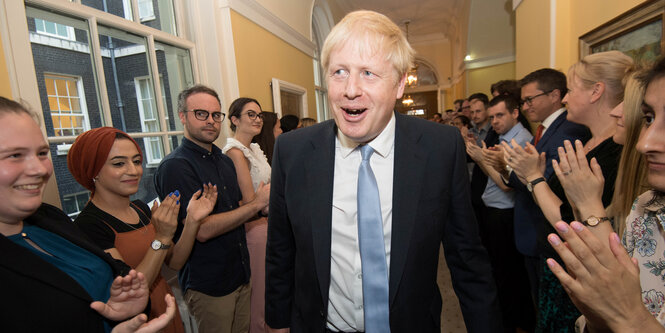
{"x": 407, "y": 101}
{"x": 412, "y": 74}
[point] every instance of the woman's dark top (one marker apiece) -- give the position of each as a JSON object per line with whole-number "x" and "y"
{"x": 91, "y": 272}
{"x": 97, "y": 223}
{"x": 607, "y": 153}
{"x": 37, "y": 296}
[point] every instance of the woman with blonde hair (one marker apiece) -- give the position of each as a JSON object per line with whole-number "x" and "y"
{"x": 595, "y": 88}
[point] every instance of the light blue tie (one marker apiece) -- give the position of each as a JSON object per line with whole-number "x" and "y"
{"x": 372, "y": 248}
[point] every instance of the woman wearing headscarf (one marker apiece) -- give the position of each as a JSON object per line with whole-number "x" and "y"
{"x": 108, "y": 162}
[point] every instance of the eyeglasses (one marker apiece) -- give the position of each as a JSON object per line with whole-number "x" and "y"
{"x": 253, "y": 115}
{"x": 203, "y": 115}
{"x": 529, "y": 100}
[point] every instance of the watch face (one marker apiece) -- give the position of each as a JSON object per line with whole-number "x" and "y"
{"x": 529, "y": 187}
{"x": 156, "y": 245}
{"x": 593, "y": 221}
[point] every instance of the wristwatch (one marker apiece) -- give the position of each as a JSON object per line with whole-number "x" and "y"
{"x": 531, "y": 184}
{"x": 593, "y": 221}
{"x": 157, "y": 245}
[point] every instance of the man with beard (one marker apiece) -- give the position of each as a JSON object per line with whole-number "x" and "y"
{"x": 215, "y": 279}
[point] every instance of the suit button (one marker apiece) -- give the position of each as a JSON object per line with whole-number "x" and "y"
{"x": 321, "y": 313}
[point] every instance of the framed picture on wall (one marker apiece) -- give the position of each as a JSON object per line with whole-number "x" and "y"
{"x": 638, "y": 33}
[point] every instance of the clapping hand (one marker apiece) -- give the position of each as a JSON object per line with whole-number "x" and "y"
{"x": 262, "y": 196}
{"x": 202, "y": 203}
{"x": 474, "y": 151}
{"x": 493, "y": 156}
{"x": 602, "y": 282}
{"x": 582, "y": 182}
{"x": 129, "y": 296}
{"x": 165, "y": 216}
{"x": 138, "y": 324}
{"x": 526, "y": 162}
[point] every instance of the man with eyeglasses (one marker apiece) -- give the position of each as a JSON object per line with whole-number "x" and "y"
{"x": 541, "y": 92}
{"x": 215, "y": 279}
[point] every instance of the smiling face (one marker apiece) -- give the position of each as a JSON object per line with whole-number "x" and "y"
{"x": 652, "y": 138}
{"x": 362, "y": 89}
{"x": 122, "y": 171}
{"x": 24, "y": 167}
{"x": 201, "y": 132}
{"x": 541, "y": 104}
{"x": 244, "y": 122}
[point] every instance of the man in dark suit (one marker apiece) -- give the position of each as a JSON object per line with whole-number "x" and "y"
{"x": 334, "y": 182}
{"x": 542, "y": 92}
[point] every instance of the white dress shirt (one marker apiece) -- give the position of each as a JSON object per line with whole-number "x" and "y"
{"x": 550, "y": 119}
{"x": 345, "y": 298}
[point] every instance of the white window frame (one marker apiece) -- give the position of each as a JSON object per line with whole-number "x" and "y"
{"x": 81, "y": 95}
{"x": 143, "y": 17}
{"x": 23, "y": 76}
{"x": 70, "y": 30}
{"x": 278, "y": 86}
{"x": 147, "y": 141}
{"x": 74, "y": 195}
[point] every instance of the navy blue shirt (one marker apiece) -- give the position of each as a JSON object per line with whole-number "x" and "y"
{"x": 220, "y": 265}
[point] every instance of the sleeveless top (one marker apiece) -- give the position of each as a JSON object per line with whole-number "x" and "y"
{"x": 259, "y": 169}
{"x": 132, "y": 246}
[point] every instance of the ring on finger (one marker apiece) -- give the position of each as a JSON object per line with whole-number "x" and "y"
{"x": 566, "y": 173}
{"x": 510, "y": 159}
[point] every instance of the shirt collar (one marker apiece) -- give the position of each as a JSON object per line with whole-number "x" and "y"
{"x": 551, "y": 118}
{"x": 484, "y": 128}
{"x": 382, "y": 144}
{"x": 512, "y": 132}
{"x": 189, "y": 144}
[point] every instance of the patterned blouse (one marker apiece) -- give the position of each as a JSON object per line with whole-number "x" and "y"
{"x": 644, "y": 240}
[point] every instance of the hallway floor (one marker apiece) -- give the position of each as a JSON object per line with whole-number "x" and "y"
{"x": 451, "y": 314}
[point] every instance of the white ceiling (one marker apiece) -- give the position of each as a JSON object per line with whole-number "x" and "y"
{"x": 429, "y": 18}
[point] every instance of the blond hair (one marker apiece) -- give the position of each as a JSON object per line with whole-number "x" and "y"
{"x": 631, "y": 177}
{"x": 607, "y": 67}
{"x": 370, "y": 33}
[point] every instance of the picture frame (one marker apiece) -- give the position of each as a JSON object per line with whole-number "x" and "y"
{"x": 638, "y": 32}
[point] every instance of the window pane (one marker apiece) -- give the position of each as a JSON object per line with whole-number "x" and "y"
{"x": 175, "y": 70}
{"x": 158, "y": 14}
{"x": 115, "y": 7}
{"x": 125, "y": 59}
{"x": 65, "y": 75}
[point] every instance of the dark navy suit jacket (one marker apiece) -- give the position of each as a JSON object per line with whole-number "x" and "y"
{"x": 431, "y": 205}
{"x": 528, "y": 215}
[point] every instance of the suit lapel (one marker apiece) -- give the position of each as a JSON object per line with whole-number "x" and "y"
{"x": 551, "y": 130}
{"x": 319, "y": 172}
{"x": 408, "y": 175}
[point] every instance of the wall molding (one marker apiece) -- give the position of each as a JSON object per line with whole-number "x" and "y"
{"x": 256, "y": 13}
{"x": 489, "y": 61}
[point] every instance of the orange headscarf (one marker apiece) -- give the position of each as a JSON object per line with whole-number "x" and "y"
{"x": 89, "y": 152}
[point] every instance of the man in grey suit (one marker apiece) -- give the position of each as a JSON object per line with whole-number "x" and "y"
{"x": 336, "y": 183}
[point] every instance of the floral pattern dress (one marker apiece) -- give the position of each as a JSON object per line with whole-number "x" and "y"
{"x": 644, "y": 240}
